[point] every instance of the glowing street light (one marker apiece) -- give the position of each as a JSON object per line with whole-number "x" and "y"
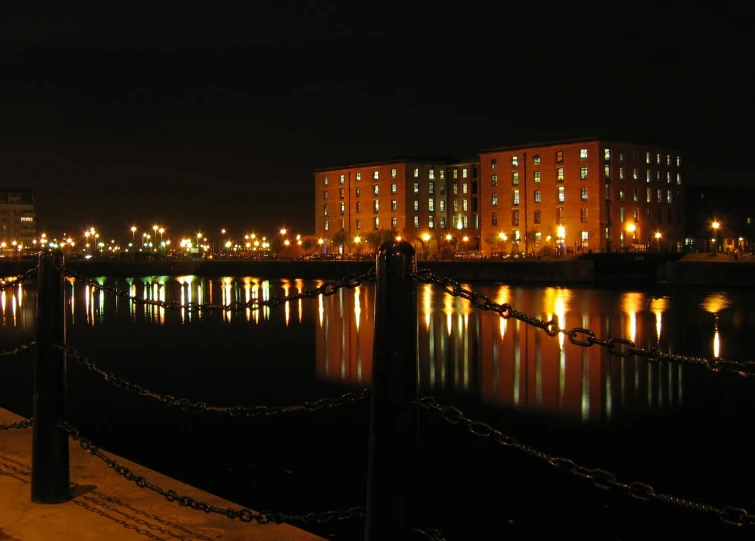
{"x": 133, "y": 235}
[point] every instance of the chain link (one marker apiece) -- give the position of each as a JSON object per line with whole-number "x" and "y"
{"x": 600, "y": 478}
{"x": 326, "y": 290}
{"x": 430, "y": 533}
{"x": 26, "y": 348}
{"x": 25, "y": 423}
{"x": 619, "y": 347}
{"x": 184, "y": 404}
{"x": 18, "y": 280}
{"x": 243, "y": 514}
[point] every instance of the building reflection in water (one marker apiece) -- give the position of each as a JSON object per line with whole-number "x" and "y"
{"x": 504, "y": 362}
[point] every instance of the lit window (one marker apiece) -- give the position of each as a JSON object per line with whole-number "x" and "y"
{"x": 561, "y": 196}
{"x": 359, "y": 176}
{"x": 325, "y": 195}
{"x": 431, "y": 223}
{"x": 431, "y": 174}
{"x": 536, "y": 159}
{"x": 560, "y": 156}
{"x": 416, "y": 172}
{"x": 394, "y": 188}
{"x": 649, "y": 195}
{"x": 515, "y": 197}
{"x": 394, "y": 221}
{"x": 536, "y": 176}
{"x": 376, "y": 223}
{"x": 456, "y": 173}
{"x": 343, "y": 207}
{"x": 678, "y": 178}
{"x": 416, "y": 205}
{"x": 607, "y": 172}
{"x": 416, "y": 221}
{"x": 583, "y": 194}
{"x": 359, "y": 224}
{"x": 647, "y": 157}
{"x": 375, "y": 190}
{"x": 376, "y": 206}
{"x": 325, "y": 180}
{"x": 431, "y": 205}
{"x": 621, "y": 173}
{"x": 494, "y": 180}
{"x": 560, "y": 174}
{"x": 668, "y": 198}
{"x": 649, "y": 175}
{"x": 464, "y": 173}
{"x": 536, "y": 196}
{"x": 416, "y": 187}
{"x": 464, "y": 206}
{"x": 583, "y": 173}
{"x": 493, "y": 164}
{"x": 678, "y": 161}
{"x": 431, "y": 188}
{"x": 607, "y": 154}
{"x": 515, "y": 178}
{"x": 583, "y": 154}
{"x": 394, "y": 205}
{"x": 327, "y": 225}
{"x": 375, "y": 175}
{"x": 393, "y": 173}
{"x": 343, "y": 179}
{"x": 494, "y": 201}
{"x": 358, "y": 191}
{"x": 442, "y": 205}
{"x": 515, "y": 161}
{"x": 634, "y": 174}
{"x": 359, "y": 207}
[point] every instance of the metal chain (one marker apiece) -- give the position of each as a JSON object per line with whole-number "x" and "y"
{"x": 619, "y": 347}
{"x": 26, "y": 423}
{"x": 430, "y": 533}
{"x": 602, "y": 479}
{"x": 20, "y": 349}
{"x": 184, "y": 404}
{"x": 243, "y": 514}
{"x": 18, "y": 280}
{"x": 326, "y": 290}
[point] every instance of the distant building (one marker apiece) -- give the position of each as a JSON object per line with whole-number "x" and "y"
{"x": 18, "y": 219}
{"x": 719, "y": 219}
{"x": 582, "y": 194}
{"x": 567, "y": 196}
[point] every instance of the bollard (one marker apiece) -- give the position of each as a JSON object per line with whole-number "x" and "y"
{"x": 50, "y": 475}
{"x": 394, "y": 438}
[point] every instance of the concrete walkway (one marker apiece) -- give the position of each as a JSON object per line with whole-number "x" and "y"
{"x": 108, "y": 507}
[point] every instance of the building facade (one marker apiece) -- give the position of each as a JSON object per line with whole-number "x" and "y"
{"x": 582, "y": 195}
{"x": 566, "y": 196}
{"x": 408, "y": 197}
{"x": 18, "y": 219}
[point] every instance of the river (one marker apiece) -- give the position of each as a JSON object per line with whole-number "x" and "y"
{"x": 680, "y": 428}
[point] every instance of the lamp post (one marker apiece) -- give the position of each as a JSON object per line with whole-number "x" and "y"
{"x": 501, "y": 242}
{"x": 464, "y": 241}
{"x": 658, "y": 238}
{"x": 631, "y": 228}
{"x": 561, "y": 238}
{"x": 426, "y": 243}
{"x": 133, "y": 236}
{"x": 715, "y": 225}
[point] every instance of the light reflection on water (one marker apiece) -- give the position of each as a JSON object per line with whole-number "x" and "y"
{"x": 463, "y": 350}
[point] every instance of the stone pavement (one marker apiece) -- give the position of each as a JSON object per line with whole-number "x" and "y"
{"x": 106, "y": 506}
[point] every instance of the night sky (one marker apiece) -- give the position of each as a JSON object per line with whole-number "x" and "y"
{"x": 199, "y": 117}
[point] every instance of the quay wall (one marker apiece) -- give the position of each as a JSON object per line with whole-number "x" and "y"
{"x": 692, "y": 269}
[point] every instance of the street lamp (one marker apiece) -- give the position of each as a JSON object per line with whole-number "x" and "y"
{"x": 133, "y": 235}
{"x": 501, "y": 241}
{"x": 426, "y": 241}
{"x": 357, "y": 240}
{"x": 561, "y": 238}
{"x": 464, "y": 240}
{"x": 658, "y": 238}
{"x": 715, "y": 225}
{"x": 631, "y": 228}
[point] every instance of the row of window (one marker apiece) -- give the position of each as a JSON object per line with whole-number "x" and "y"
{"x": 583, "y": 195}
{"x": 583, "y": 216}
{"x": 583, "y": 175}
{"x": 584, "y": 154}
{"x": 394, "y": 189}
{"x": 394, "y": 174}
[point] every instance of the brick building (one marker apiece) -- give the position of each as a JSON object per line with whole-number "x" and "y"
{"x": 576, "y": 195}
{"x": 18, "y": 226}
{"x": 406, "y": 196}
{"x": 582, "y": 194}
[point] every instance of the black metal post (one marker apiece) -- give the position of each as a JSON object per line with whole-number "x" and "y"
{"x": 394, "y": 441}
{"x": 50, "y": 475}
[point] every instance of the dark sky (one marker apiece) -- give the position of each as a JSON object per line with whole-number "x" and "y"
{"x": 202, "y": 116}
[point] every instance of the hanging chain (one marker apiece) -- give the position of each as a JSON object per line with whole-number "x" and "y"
{"x": 184, "y": 404}
{"x": 430, "y": 533}
{"x": 326, "y": 290}
{"x": 600, "y": 478}
{"x": 18, "y": 280}
{"x": 243, "y": 514}
{"x": 17, "y": 351}
{"x": 25, "y": 423}
{"x": 619, "y": 347}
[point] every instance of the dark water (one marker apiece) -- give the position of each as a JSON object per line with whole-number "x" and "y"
{"x": 681, "y": 429}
